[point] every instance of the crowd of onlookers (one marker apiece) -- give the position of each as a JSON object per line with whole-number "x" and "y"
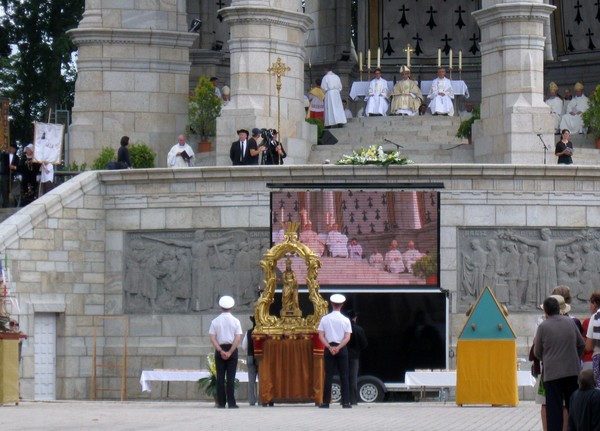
{"x": 568, "y": 350}
{"x": 22, "y": 178}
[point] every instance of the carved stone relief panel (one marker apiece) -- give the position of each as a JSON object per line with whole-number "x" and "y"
{"x": 522, "y": 266}
{"x": 187, "y": 271}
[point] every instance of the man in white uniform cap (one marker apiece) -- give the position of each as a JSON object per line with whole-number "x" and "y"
{"x": 225, "y": 334}
{"x": 334, "y": 332}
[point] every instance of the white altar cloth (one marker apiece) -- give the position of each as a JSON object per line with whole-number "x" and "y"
{"x": 178, "y": 376}
{"x": 361, "y": 88}
{"x": 447, "y": 379}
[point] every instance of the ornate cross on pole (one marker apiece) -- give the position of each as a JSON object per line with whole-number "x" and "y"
{"x": 278, "y": 69}
{"x": 408, "y": 50}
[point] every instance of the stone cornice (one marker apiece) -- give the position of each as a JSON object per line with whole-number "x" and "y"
{"x": 266, "y": 16}
{"x": 105, "y": 36}
{"x": 521, "y": 11}
{"x": 553, "y": 177}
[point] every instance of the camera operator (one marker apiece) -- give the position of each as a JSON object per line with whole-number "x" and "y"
{"x": 274, "y": 152}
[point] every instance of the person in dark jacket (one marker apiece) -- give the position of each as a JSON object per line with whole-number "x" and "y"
{"x": 358, "y": 343}
{"x": 584, "y": 412}
{"x": 123, "y": 160}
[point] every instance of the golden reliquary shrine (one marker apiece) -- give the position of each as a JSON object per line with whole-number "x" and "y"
{"x": 288, "y": 345}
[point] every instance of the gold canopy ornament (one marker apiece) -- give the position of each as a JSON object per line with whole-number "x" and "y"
{"x": 290, "y": 323}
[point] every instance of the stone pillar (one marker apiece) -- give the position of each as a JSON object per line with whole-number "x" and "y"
{"x": 133, "y": 76}
{"x": 262, "y": 31}
{"x": 513, "y": 111}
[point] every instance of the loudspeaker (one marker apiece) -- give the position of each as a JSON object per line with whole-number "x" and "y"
{"x": 328, "y": 138}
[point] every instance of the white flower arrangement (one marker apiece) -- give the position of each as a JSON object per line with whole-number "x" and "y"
{"x": 374, "y": 155}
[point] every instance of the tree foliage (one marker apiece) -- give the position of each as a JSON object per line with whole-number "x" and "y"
{"x": 39, "y": 74}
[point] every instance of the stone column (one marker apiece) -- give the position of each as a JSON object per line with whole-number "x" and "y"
{"x": 262, "y": 31}
{"x": 133, "y": 76}
{"x": 513, "y": 111}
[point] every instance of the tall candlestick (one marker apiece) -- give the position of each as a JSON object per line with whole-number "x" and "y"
{"x": 369, "y": 59}
{"x": 439, "y": 58}
{"x": 378, "y": 57}
{"x": 450, "y": 60}
{"x": 408, "y": 57}
{"x": 360, "y": 65}
{"x": 460, "y": 59}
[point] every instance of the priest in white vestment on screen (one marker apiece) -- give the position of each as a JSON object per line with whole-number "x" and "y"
{"x": 441, "y": 95}
{"x": 337, "y": 242}
{"x": 377, "y": 100}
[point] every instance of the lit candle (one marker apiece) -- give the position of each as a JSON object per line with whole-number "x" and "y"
{"x": 439, "y": 58}
{"x": 408, "y": 56}
{"x": 360, "y": 65}
{"x": 460, "y": 59}
{"x": 450, "y": 60}
{"x": 369, "y": 59}
{"x": 378, "y": 57}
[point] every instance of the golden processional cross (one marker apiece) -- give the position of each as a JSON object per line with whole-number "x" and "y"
{"x": 278, "y": 69}
{"x": 408, "y": 50}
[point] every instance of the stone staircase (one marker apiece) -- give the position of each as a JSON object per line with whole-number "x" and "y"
{"x": 425, "y": 139}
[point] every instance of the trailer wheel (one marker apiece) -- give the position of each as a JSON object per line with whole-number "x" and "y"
{"x": 336, "y": 390}
{"x": 370, "y": 389}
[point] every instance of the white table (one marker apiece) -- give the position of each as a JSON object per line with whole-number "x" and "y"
{"x": 447, "y": 379}
{"x": 444, "y": 380}
{"x": 178, "y": 376}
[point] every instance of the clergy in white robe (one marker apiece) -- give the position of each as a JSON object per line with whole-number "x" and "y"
{"x": 337, "y": 243}
{"x": 556, "y": 105}
{"x": 572, "y": 119}
{"x": 410, "y": 256}
{"x": 176, "y": 158}
{"x": 441, "y": 95}
{"x": 334, "y": 110}
{"x": 406, "y": 96}
{"x": 393, "y": 259}
{"x": 377, "y": 100}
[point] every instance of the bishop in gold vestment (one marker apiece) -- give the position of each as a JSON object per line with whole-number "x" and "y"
{"x": 406, "y": 96}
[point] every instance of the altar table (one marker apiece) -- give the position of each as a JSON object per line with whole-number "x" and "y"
{"x": 178, "y": 376}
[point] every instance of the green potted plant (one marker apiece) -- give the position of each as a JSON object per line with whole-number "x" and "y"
{"x": 426, "y": 267}
{"x": 204, "y": 108}
{"x": 464, "y": 130}
{"x": 209, "y": 383}
{"x": 591, "y": 117}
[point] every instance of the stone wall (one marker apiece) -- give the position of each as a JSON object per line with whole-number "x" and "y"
{"x": 66, "y": 250}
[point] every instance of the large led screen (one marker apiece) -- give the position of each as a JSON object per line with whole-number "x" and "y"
{"x": 363, "y": 238}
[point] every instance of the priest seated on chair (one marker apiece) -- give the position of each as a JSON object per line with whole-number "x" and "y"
{"x": 378, "y": 97}
{"x": 441, "y": 95}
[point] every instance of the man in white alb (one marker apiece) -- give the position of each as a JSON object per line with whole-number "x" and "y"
{"x": 337, "y": 242}
{"x": 572, "y": 119}
{"x": 410, "y": 256}
{"x": 377, "y": 99}
{"x": 393, "y": 259}
{"x": 181, "y": 154}
{"x": 441, "y": 95}
{"x": 334, "y": 110}
{"x": 556, "y": 105}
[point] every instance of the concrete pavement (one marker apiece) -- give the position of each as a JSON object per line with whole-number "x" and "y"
{"x": 201, "y": 416}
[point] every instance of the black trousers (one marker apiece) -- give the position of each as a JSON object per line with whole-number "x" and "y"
{"x": 558, "y": 393}
{"x": 337, "y": 362}
{"x": 226, "y": 377}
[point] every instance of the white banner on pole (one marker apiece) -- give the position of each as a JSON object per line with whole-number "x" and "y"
{"x": 47, "y": 142}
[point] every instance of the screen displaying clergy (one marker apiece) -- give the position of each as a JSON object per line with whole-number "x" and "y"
{"x": 358, "y": 234}
{"x": 377, "y": 99}
{"x": 406, "y": 95}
